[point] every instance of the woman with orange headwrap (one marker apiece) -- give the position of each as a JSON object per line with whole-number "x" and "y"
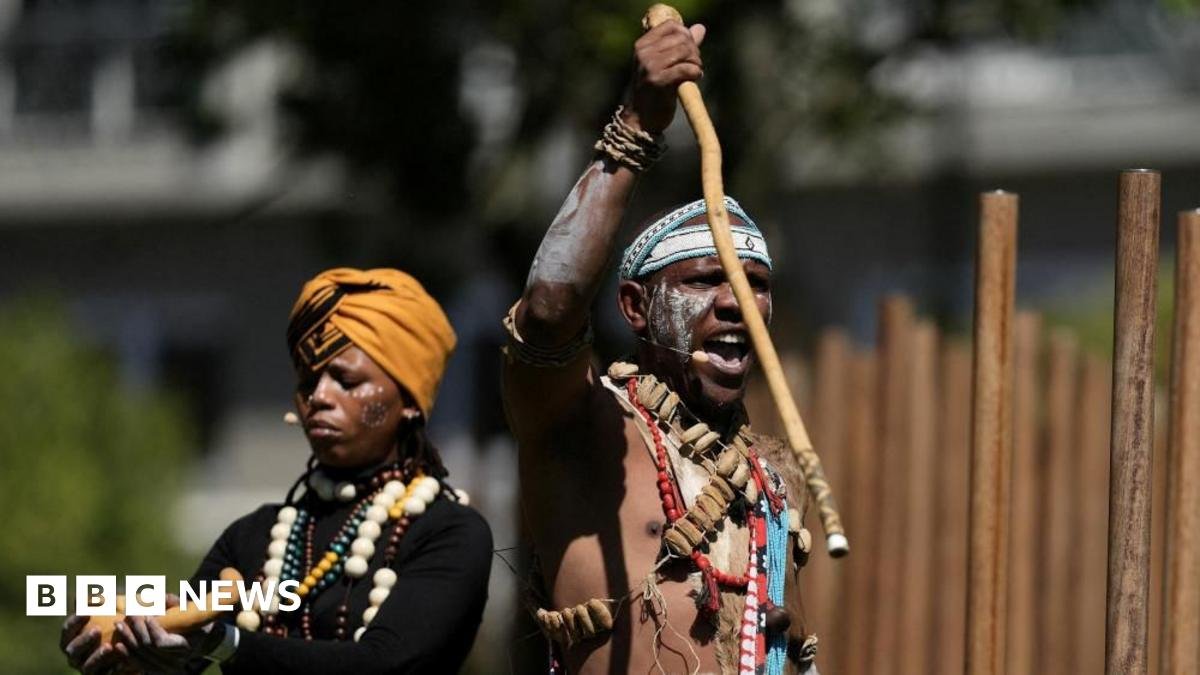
{"x": 392, "y": 566}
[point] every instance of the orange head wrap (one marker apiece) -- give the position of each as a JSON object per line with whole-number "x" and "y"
{"x": 384, "y": 312}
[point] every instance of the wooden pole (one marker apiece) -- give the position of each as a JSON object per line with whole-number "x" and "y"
{"x": 991, "y": 433}
{"x": 1132, "y": 424}
{"x": 1091, "y": 525}
{"x": 1023, "y": 562}
{"x": 718, "y": 221}
{"x": 1054, "y": 625}
{"x": 863, "y": 470}
{"x": 895, "y": 352}
{"x": 758, "y": 403}
{"x": 824, "y": 576}
{"x": 915, "y": 627}
{"x": 954, "y": 442}
{"x": 1181, "y": 595}
{"x": 1158, "y": 529}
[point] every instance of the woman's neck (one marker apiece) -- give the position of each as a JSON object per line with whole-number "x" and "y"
{"x": 353, "y": 473}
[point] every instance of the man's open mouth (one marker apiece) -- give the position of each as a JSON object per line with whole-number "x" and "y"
{"x": 728, "y": 351}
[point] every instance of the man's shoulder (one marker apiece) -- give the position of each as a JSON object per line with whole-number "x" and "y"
{"x": 779, "y": 454}
{"x": 602, "y": 408}
{"x": 775, "y": 450}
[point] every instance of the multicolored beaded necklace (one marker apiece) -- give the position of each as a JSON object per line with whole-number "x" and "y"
{"x": 388, "y": 501}
{"x": 672, "y": 498}
{"x": 766, "y": 519}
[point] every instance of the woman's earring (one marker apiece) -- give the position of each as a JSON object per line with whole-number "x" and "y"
{"x": 291, "y": 418}
{"x": 411, "y": 414}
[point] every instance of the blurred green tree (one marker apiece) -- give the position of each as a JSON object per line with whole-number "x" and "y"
{"x": 88, "y": 473}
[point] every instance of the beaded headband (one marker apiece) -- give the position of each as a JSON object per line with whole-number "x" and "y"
{"x": 668, "y": 241}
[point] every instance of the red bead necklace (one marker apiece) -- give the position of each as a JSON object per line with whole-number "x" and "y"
{"x": 672, "y": 500}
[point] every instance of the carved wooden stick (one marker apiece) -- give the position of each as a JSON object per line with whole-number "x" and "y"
{"x": 174, "y": 620}
{"x": 718, "y": 221}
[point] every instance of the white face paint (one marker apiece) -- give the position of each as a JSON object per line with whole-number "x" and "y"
{"x": 672, "y": 314}
{"x": 367, "y": 391}
{"x": 374, "y": 414}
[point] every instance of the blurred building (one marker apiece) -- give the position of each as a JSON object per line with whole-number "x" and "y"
{"x": 182, "y": 260}
{"x": 1117, "y": 88}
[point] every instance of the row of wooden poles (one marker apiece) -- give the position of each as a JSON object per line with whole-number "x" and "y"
{"x": 1001, "y": 492}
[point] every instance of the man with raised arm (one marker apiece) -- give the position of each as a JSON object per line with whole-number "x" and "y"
{"x": 666, "y": 533}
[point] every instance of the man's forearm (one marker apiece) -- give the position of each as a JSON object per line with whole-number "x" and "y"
{"x": 571, "y": 262}
{"x": 574, "y": 254}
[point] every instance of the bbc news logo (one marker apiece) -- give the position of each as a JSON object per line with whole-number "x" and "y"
{"x": 146, "y": 595}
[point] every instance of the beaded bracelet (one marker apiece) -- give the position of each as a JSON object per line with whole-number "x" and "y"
{"x": 517, "y": 349}
{"x": 631, "y": 147}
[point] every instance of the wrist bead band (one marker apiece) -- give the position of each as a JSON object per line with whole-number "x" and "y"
{"x": 631, "y": 147}
{"x": 517, "y": 349}
{"x": 228, "y": 645}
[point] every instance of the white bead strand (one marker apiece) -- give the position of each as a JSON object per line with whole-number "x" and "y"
{"x": 356, "y": 566}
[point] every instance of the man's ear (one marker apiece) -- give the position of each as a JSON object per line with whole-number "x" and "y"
{"x": 634, "y": 303}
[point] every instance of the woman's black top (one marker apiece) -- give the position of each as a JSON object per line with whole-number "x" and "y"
{"x": 427, "y": 623}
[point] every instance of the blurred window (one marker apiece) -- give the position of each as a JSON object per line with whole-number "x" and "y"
{"x": 53, "y": 79}
{"x": 58, "y": 51}
{"x": 158, "y": 81}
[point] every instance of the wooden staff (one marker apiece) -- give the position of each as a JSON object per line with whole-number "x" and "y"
{"x": 175, "y": 620}
{"x": 718, "y": 222}
{"x": 895, "y": 415}
{"x": 1023, "y": 564}
{"x": 991, "y": 433}
{"x": 954, "y": 439}
{"x": 1054, "y": 624}
{"x": 916, "y": 635}
{"x": 1181, "y": 597}
{"x": 1132, "y": 424}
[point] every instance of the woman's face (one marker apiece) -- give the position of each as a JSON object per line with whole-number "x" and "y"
{"x": 352, "y": 411}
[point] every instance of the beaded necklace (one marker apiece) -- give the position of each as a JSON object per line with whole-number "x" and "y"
{"x": 671, "y": 498}
{"x": 735, "y": 473}
{"x": 290, "y": 555}
{"x": 757, "y": 652}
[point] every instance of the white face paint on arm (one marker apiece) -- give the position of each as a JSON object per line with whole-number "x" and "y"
{"x": 557, "y": 257}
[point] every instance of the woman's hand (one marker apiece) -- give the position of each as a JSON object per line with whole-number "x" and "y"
{"x": 152, "y": 649}
{"x": 84, "y": 651}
